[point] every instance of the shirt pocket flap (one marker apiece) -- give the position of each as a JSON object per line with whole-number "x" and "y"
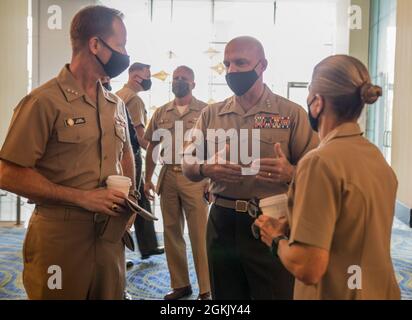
{"x": 71, "y": 135}
{"x": 120, "y": 131}
{"x": 274, "y": 136}
{"x": 166, "y": 125}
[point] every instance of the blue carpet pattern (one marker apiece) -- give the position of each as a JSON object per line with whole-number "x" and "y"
{"x": 149, "y": 279}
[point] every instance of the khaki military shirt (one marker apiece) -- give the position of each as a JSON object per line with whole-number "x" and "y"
{"x": 59, "y": 132}
{"x": 342, "y": 200}
{"x": 134, "y": 105}
{"x": 168, "y": 119}
{"x": 277, "y": 119}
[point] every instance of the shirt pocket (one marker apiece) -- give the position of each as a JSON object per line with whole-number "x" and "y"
{"x": 268, "y": 139}
{"x": 120, "y": 130}
{"x": 73, "y": 134}
{"x": 189, "y": 124}
{"x": 164, "y": 129}
{"x": 168, "y": 125}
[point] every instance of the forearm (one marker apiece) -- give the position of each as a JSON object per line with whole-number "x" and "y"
{"x": 150, "y": 164}
{"x": 287, "y": 255}
{"x": 307, "y": 264}
{"x": 30, "y": 184}
{"x": 140, "y": 137}
{"x": 128, "y": 166}
{"x": 142, "y": 142}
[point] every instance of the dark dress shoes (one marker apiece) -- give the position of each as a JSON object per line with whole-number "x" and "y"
{"x": 153, "y": 252}
{"x": 179, "y": 293}
{"x": 204, "y": 296}
{"x": 129, "y": 264}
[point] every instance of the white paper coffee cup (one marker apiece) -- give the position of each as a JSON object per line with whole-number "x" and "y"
{"x": 275, "y": 207}
{"x": 119, "y": 183}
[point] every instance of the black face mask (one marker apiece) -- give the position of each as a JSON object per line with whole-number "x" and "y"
{"x": 314, "y": 122}
{"x": 117, "y": 63}
{"x": 146, "y": 84}
{"x": 180, "y": 88}
{"x": 107, "y": 86}
{"x": 241, "y": 82}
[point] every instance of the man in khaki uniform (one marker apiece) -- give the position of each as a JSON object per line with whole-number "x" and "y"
{"x": 139, "y": 80}
{"x": 65, "y": 139}
{"x": 241, "y": 267}
{"x": 177, "y": 193}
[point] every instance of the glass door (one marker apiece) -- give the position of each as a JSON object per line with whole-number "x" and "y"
{"x": 382, "y": 69}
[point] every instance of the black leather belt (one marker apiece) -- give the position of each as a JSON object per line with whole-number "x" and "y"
{"x": 239, "y": 205}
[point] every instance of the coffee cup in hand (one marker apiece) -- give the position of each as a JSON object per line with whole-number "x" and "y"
{"x": 119, "y": 183}
{"x": 275, "y": 207}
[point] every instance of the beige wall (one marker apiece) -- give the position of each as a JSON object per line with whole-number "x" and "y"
{"x": 359, "y": 43}
{"x": 13, "y": 59}
{"x": 359, "y": 39}
{"x": 51, "y": 47}
{"x": 402, "y": 114}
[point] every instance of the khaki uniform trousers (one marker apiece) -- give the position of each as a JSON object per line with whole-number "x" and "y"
{"x": 180, "y": 198}
{"x": 67, "y": 238}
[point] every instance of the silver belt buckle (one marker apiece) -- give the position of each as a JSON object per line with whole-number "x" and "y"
{"x": 241, "y": 206}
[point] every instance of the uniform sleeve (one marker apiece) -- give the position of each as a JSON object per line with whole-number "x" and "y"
{"x": 152, "y": 127}
{"x": 315, "y": 194}
{"x": 303, "y": 138}
{"x": 137, "y": 111}
{"x": 29, "y": 132}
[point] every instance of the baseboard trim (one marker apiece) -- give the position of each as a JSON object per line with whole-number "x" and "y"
{"x": 403, "y": 213}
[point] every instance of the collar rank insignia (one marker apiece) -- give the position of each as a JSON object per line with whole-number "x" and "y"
{"x": 271, "y": 122}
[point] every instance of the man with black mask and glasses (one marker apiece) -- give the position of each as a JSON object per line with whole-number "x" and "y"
{"x": 240, "y": 266}
{"x": 65, "y": 139}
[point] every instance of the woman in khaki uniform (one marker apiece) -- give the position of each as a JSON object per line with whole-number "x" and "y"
{"x": 342, "y": 200}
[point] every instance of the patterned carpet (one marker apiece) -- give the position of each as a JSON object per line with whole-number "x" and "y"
{"x": 149, "y": 279}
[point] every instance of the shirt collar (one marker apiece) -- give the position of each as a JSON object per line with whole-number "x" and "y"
{"x": 263, "y": 105}
{"x": 129, "y": 87}
{"x": 72, "y": 90}
{"x": 347, "y": 129}
{"x": 193, "y": 105}
{"x": 68, "y": 85}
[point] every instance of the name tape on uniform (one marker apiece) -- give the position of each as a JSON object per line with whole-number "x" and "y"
{"x": 74, "y": 122}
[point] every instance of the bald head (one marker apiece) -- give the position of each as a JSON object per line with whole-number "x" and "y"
{"x": 243, "y": 54}
{"x": 247, "y": 44}
{"x": 188, "y": 72}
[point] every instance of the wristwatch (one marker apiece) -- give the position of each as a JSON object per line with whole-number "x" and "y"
{"x": 275, "y": 245}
